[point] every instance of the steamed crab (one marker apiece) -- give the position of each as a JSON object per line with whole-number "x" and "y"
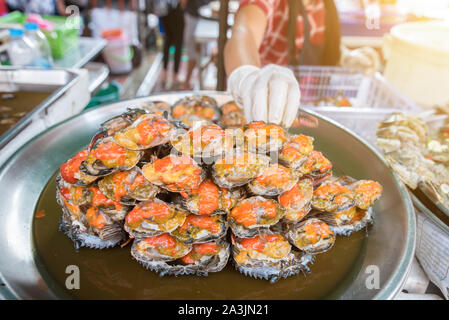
{"x": 128, "y": 187}
{"x": 296, "y": 150}
{"x": 166, "y": 255}
{"x": 237, "y": 169}
{"x": 208, "y": 198}
{"x": 71, "y": 173}
{"x": 154, "y": 217}
{"x": 268, "y": 256}
{"x": 232, "y": 116}
{"x": 197, "y": 229}
{"x": 297, "y": 201}
{"x": 251, "y": 215}
{"x": 263, "y": 138}
{"x": 175, "y": 173}
{"x": 273, "y": 181}
{"x": 106, "y": 157}
{"x": 311, "y": 236}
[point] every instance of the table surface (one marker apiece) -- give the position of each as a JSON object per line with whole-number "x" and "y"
{"x": 76, "y": 58}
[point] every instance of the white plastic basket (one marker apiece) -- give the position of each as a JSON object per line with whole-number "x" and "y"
{"x": 372, "y": 98}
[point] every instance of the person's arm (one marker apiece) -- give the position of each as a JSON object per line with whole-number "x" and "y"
{"x": 247, "y": 35}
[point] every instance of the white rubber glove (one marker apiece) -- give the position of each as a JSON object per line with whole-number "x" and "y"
{"x": 364, "y": 59}
{"x": 270, "y": 94}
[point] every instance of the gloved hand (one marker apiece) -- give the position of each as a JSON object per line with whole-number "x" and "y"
{"x": 270, "y": 94}
{"x": 364, "y": 59}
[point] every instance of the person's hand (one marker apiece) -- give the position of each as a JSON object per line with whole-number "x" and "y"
{"x": 270, "y": 94}
{"x": 365, "y": 60}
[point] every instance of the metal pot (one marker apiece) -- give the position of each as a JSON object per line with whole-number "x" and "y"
{"x": 389, "y": 247}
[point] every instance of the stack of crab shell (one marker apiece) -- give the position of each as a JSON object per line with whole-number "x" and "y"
{"x": 174, "y": 181}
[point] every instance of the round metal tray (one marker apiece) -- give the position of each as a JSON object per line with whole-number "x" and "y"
{"x": 389, "y": 246}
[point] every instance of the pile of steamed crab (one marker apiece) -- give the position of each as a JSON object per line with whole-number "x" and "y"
{"x": 419, "y": 156}
{"x": 193, "y": 186}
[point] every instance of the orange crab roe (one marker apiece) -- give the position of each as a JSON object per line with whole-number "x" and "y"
{"x": 246, "y": 212}
{"x": 317, "y": 230}
{"x": 72, "y": 166}
{"x": 147, "y": 210}
{"x": 150, "y": 128}
{"x": 110, "y": 151}
{"x": 275, "y": 175}
{"x": 201, "y": 248}
{"x": 259, "y": 242}
{"x": 203, "y": 222}
{"x": 209, "y": 195}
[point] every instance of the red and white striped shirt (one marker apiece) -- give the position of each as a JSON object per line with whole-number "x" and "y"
{"x": 274, "y": 47}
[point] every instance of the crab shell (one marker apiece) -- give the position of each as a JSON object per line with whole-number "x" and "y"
{"x": 70, "y": 170}
{"x": 74, "y": 226}
{"x": 201, "y": 267}
{"x": 158, "y": 107}
{"x": 121, "y": 121}
{"x": 261, "y": 137}
{"x": 347, "y": 222}
{"x": 97, "y": 167}
{"x": 171, "y": 179}
{"x": 264, "y": 267}
{"x": 232, "y": 116}
{"x": 186, "y": 142}
{"x": 154, "y": 225}
{"x": 201, "y": 107}
{"x": 129, "y": 137}
{"x": 226, "y": 199}
{"x": 297, "y": 201}
{"x": 333, "y": 196}
{"x": 366, "y": 193}
{"x": 244, "y": 168}
{"x": 256, "y": 210}
{"x": 266, "y": 183}
{"x": 296, "y": 150}
{"x": 130, "y": 193}
{"x": 192, "y": 230}
{"x": 316, "y": 166}
{"x": 299, "y": 236}
{"x": 74, "y": 194}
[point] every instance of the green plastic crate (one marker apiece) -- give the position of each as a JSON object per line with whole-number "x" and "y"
{"x": 63, "y": 38}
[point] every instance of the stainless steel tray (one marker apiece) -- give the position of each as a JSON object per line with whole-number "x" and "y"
{"x": 390, "y": 245}
{"x": 56, "y": 81}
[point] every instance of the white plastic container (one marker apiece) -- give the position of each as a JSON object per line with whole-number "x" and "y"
{"x": 118, "y": 52}
{"x": 418, "y": 61}
{"x": 41, "y": 42}
{"x": 22, "y": 51}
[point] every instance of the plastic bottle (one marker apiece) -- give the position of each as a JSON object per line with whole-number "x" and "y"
{"x": 21, "y": 50}
{"x": 35, "y": 35}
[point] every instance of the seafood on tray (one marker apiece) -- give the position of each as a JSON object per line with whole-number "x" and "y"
{"x": 205, "y": 228}
{"x": 264, "y": 137}
{"x": 297, "y": 201}
{"x": 251, "y": 215}
{"x": 268, "y": 256}
{"x": 128, "y": 187}
{"x": 232, "y": 116}
{"x": 106, "y": 157}
{"x": 311, "y": 236}
{"x": 70, "y": 170}
{"x": 195, "y": 108}
{"x": 209, "y": 198}
{"x": 273, "y": 181}
{"x": 166, "y": 255}
{"x": 174, "y": 173}
{"x": 203, "y": 139}
{"x": 154, "y": 217}
{"x": 189, "y": 185}
{"x": 417, "y": 153}
{"x": 238, "y": 169}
